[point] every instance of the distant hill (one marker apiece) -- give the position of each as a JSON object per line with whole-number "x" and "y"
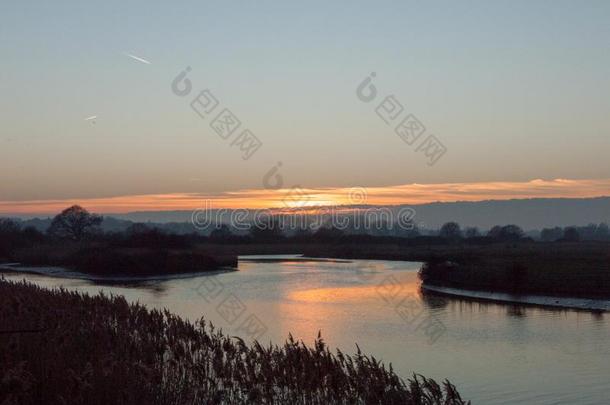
{"x": 529, "y": 214}
{"x": 536, "y": 213}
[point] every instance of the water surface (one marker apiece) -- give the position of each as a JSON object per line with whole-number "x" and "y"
{"x": 494, "y": 353}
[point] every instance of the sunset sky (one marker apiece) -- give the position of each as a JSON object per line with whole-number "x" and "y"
{"x": 411, "y": 194}
{"x": 517, "y": 92}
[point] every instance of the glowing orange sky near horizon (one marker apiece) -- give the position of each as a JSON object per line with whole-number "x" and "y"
{"x": 260, "y": 199}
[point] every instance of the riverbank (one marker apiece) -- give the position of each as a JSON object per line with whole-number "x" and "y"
{"x": 562, "y": 269}
{"x": 59, "y": 346}
{"x": 536, "y": 300}
{"x": 61, "y": 272}
{"x": 568, "y": 270}
{"x": 103, "y": 260}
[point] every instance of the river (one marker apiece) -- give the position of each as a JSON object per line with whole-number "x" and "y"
{"x": 494, "y": 353}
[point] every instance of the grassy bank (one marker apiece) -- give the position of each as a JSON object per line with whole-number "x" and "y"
{"x": 71, "y": 348}
{"x": 557, "y": 269}
{"x": 108, "y": 260}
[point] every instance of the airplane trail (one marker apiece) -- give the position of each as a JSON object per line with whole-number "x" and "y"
{"x": 136, "y": 58}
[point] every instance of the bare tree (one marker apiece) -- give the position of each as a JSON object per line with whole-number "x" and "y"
{"x": 451, "y": 230}
{"x": 507, "y": 233}
{"x": 74, "y": 223}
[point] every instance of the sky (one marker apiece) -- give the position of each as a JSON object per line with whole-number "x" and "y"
{"x": 516, "y": 92}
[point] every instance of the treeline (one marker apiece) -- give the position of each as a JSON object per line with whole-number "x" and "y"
{"x": 599, "y": 232}
{"x": 15, "y": 239}
{"x": 75, "y": 224}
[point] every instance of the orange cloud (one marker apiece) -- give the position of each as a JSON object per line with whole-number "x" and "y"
{"x": 390, "y": 195}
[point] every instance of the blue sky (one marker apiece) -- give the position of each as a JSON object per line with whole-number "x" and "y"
{"x": 515, "y": 90}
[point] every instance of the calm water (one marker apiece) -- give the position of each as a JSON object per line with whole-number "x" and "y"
{"x": 495, "y": 354}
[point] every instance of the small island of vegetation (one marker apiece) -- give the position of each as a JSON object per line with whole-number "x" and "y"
{"x": 75, "y": 241}
{"x": 504, "y": 260}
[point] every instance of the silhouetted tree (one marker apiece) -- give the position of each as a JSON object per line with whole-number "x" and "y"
{"x": 551, "y": 234}
{"x": 495, "y": 232}
{"x": 328, "y": 233}
{"x": 74, "y": 223}
{"x": 302, "y": 234}
{"x": 221, "y": 233}
{"x": 472, "y": 232}
{"x": 571, "y": 234}
{"x": 587, "y": 232}
{"x": 409, "y": 233}
{"x": 31, "y": 234}
{"x": 511, "y": 233}
{"x": 8, "y": 226}
{"x": 602, "y": 232}
{"x": 266, "y": 233}
{"x": 137, "y": 228}
{"x": 451, "y": 230}
{"x": 9, "y": 235}
{"x": 507, "y": 233}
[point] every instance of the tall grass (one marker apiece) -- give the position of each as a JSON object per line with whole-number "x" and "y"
{"x": 62, "y": 347}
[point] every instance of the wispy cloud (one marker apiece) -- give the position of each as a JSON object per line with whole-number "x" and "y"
{"x": 136, "y": 58}
{"x": 391, "y": 195}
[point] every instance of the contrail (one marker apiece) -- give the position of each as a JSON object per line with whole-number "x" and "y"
{"x": 136, "y": 58}
{"x": 91, "y": 118}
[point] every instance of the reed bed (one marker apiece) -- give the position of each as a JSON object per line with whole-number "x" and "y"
{"x": 64, "y": 347}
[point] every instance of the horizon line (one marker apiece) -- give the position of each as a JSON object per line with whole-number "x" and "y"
{"x": 407, "y": 194}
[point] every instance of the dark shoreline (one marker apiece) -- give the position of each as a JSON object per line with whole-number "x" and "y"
{"x": 103, "y": 261}
{"x": 572, "y": 270}
{"x": 61, "y": 272}
{"x": 541, "y": 301}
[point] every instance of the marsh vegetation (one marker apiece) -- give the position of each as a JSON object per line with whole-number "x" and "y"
{"x": 61, "y": 347}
